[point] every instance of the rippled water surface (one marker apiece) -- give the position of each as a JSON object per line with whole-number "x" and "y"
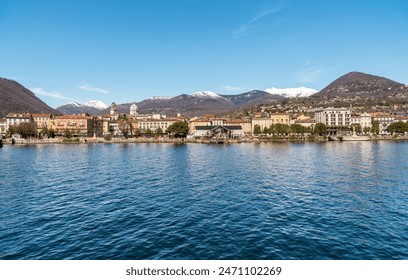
{"x": 196, "y": 201}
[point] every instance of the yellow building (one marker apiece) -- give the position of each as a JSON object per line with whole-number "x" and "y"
{"x": 42, "y": 121}
{"x": 245, "y": 124}
{"x": 78, "y": 125}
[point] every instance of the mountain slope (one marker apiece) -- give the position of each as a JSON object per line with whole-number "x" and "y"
{"x": 361, "y": 84}
{"x": 253, "y": 97}
{"x": 16, "y": 98}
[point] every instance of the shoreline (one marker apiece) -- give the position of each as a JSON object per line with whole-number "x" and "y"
{"x": 162, "y": 140}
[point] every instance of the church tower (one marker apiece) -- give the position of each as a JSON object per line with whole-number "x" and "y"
{"x": 113, "y": 109}
{"x": 133, "y": 109}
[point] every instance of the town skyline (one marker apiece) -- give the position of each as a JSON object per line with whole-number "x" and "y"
{"x": 135, "y": 50}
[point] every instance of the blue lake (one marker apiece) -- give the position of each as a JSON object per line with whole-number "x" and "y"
{"x": 195, "y": 201}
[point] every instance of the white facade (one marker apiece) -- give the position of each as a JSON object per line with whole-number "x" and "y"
{"x": 333, "y": 116}
{"x": 16, "y": 119}
{"x": 154, "y": 124}
{"x": 133, "y": 109}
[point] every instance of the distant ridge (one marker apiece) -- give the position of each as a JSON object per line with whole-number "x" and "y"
{"x": 361, "y": 84}
{"x": 16, "y": 98}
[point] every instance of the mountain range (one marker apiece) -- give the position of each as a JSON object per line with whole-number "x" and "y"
{"x": 16, "y": 98}
{"x": 201, "y": 102}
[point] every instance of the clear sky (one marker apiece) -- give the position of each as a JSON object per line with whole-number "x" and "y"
{"x": 129, "y": 50}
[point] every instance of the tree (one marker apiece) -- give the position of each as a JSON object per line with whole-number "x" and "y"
{"x": 159, "y": 131}
{"x": 357, "y": 127}
{"x": 137, "y": 132}
{"x": 178, "y": 129}
{"x": 124, "y": 127}
{"x": 26, "y": 129}
{"x": 67, "y": 133}
{"x": 366, "y": 130}
{"x": 320, "y": 129}
{"x": 257, "y": 129}
{"x": 266, "y": 130}
{"x": 375, "y": 128}
{"x": 149, "y": 132}
{"x": 281, "y": 128}
{"x": 397, "y": 127}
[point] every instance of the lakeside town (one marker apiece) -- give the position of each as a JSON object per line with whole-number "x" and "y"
{"x": 339, "y": 124}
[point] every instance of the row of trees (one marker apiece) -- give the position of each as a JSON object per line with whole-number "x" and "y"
{"x": 25, "y": 129}
{"x": 284, "y": 129}
{"x": 398, "y": 128}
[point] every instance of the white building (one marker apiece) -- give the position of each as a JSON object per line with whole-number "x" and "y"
{"x": 333, "y": 116}
{"x": 133, "y": 110}
{"x": 17, "y": 118}
{"x": 364, "y": 120}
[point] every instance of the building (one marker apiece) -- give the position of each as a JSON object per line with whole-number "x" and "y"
{"x": 154, "y": 124}
{"x": 383, "y": 119}
{"x": 246, "y": 125}
{"x": 42, "y": 121}
{"x": 17, "y": 118}
{"x": 219, "y": 131}
{"x": 401, "y": 119}
{"x": 333, "y": 116}
{"x": 133, "y": 110}
{"x": 78, "y": 125}
{"x": 262, "y": 122}
{"x": 3, "y": 125}
{"x": 267, "y": 122}
{"x": 282, "y": 118}
{"x": 337, "y": 120}
{"x": 197, "y": 122}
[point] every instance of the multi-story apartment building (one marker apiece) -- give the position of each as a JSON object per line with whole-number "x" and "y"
{"x": 337, "y": 120}
{"x": 384, "y": 120}
{"x": 17, "y": 118}
{"x": 42, "y": 121}
{"x": 282, "y": 118}
{"x": 246, "y": 125}
{"x": 333, "y": 116}
{"x": 78, "y": 125}
{"x": 154, "y": 124}
{"x": 274, "y": 118}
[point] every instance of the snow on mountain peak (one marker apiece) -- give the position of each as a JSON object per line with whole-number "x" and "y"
{"x": 292, "y": 92}
{"x": 97, "y": 104}
{"x": 205, "y": 94}
{"x": 159, "y": 98}
{"x": 73, "y": 103}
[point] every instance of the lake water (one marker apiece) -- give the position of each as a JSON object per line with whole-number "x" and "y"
{"x": 197, "y": 201}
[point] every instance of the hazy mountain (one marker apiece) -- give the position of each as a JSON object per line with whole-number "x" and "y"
{"x": 361, "y": 84}
{"x": 17, "y": 99}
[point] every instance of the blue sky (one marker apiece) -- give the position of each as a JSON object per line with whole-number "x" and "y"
{"x": 124, "y": 51}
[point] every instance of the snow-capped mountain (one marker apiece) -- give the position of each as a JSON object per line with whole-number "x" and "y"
{"x": 159, "y": 98}
{"x": 292, "y": 92}
{"x": 93, "y": 107}
{"x": 206, "y": 94}
{"x": 73, "y": 103}
{"x": 97, "y": 104}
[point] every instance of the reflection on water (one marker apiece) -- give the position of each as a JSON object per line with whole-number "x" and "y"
{"x": 165, "y": 201}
